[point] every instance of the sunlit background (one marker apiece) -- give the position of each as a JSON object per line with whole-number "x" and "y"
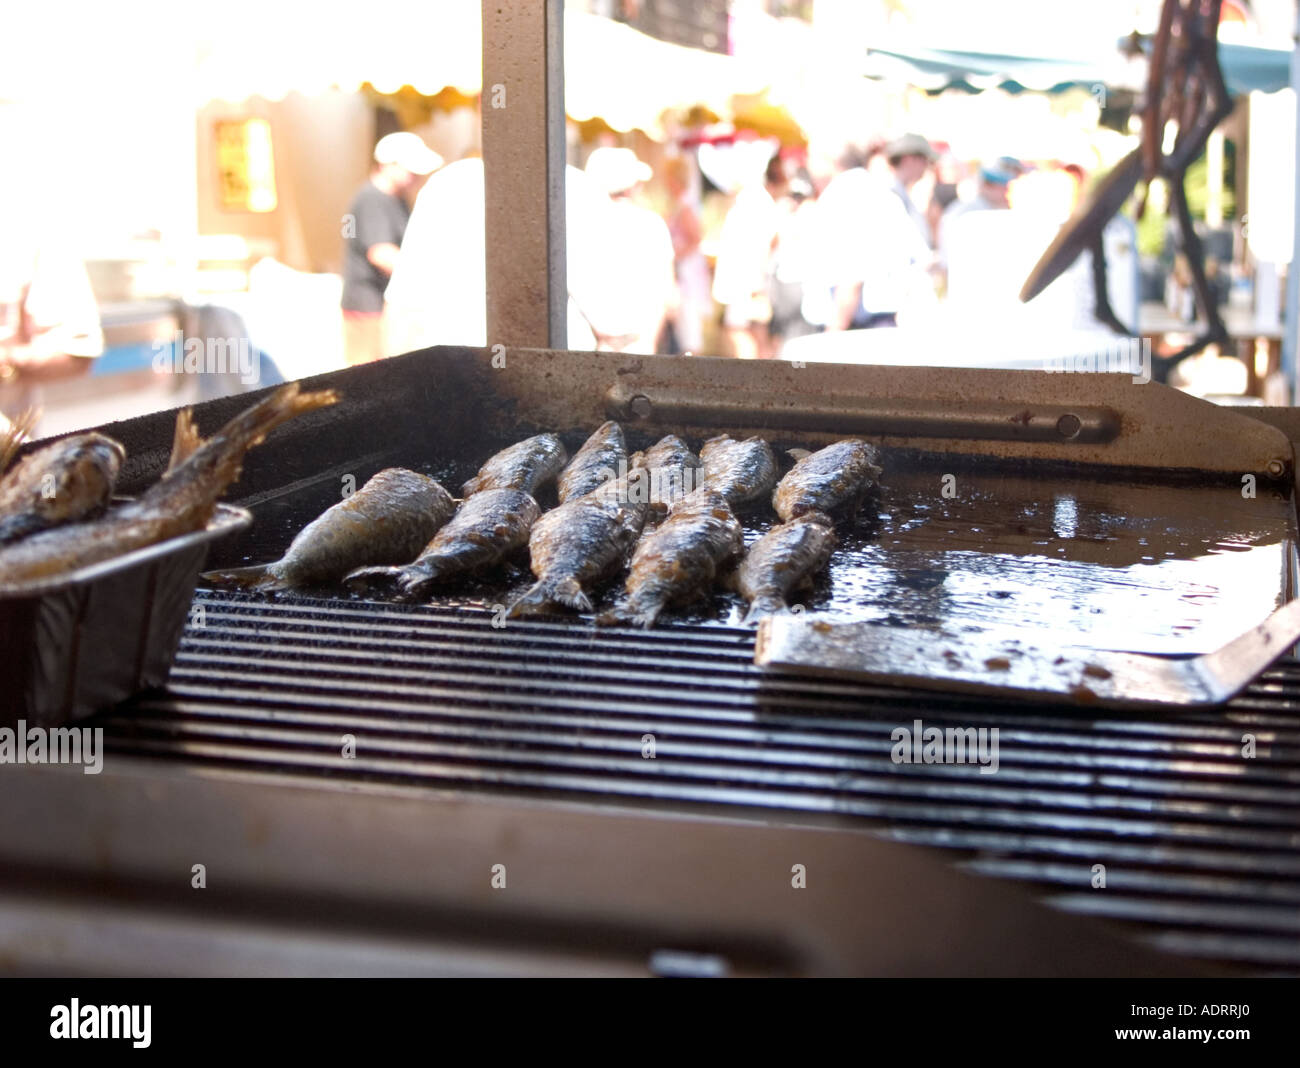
{"x": 199, "y": 158}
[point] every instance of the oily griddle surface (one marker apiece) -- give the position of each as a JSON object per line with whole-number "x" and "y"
{"x": 1112, "y": 563}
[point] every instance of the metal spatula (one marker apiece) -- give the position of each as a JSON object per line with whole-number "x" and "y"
{"x": 1008, "y": 667}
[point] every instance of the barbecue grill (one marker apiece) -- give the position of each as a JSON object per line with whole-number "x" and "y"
{"x": 649, "y": 793}
{"x": 337, "y": 784}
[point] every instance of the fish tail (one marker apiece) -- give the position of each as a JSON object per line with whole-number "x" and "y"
{"x": 259, "y": 577}
{"x": 185, "y": 439}
{"x": 366, "y": 577}
{"x": 14, "y": 434}
{"x": 212, "y": 465}
{"x": 566, "y": 591}
{"x": 631, "y": 613}
{"x": 768, "y": 604}
{"x": 414, "y": 582}
{"x": 409, "y": 583}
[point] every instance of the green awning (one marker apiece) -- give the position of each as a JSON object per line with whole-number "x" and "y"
{"x": 1245, "y": 68}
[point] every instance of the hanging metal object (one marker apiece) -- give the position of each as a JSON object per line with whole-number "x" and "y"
{"x": 1184, "y": 86}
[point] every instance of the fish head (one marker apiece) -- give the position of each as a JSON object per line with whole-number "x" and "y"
{"x": 103, "y": 455}
{"x": 85, "y": 475}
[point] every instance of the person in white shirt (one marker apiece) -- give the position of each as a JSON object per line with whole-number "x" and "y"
{"x": 437, "y": 293}
{"x": 994, "y": 179}
{"x": 627, "y": 300}
{"x": 741, "y": 277}
{"x": 873, "y": 250}
{"x": 895, "y": 253}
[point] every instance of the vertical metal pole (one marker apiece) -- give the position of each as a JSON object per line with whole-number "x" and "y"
{"x": 523, "y": 166}
{"x": 1293, "y": 272}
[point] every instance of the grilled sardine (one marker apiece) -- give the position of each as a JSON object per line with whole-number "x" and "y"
{"x": 63, "y": 482}
{"x": 183, "y": 500}
{"x": 387, "y": 521}
{"x": 676, "y": 470}
{"x": 782, "y": 560}
{"x": 526, "y": 466}
{"x": 742, "y": 471}
{"x": 603, "y": 457}
{"x": 680, "y": 559}
{"x": 487, "y": 529}
{"x": 579, "y": 543}
{"x": 827, "y": 479}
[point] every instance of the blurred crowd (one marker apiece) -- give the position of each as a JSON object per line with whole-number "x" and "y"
{"x": 734, "y": 247}
{"x": 722, "y": 248}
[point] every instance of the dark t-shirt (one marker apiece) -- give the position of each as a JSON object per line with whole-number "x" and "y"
{"x": 379, "y": 219}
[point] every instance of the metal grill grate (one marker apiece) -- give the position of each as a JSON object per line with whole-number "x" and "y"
{"x": 1201, "y": 846}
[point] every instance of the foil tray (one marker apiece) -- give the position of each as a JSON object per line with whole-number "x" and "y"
{"x": 78, "y": 642}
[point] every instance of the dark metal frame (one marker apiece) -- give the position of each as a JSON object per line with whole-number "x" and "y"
{"x": 1184, "y": 85}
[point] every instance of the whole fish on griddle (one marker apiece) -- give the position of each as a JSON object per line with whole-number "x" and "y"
{"x": 742, "y": 471}
{"x": 677, "y": 470}
{"x": 680, "y": 559}
{"x": 527, "y": 465}
{"x": 782, "y": 560}
{"x": 488, "y": 528}
{"x": 63, "y": 482}
{"x": 827, "y": 479}
{"x": 387, "y": 521}
{"x": 182, "y": 501}
{"x": 581, "y": 542}
{"x": 603, "y": 457}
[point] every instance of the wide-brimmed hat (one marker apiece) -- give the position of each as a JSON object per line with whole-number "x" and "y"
{"x": 910, "y": 144}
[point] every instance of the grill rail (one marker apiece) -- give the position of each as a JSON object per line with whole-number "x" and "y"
{"x": 1201, "y": 846}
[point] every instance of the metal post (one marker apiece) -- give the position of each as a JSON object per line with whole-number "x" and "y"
{"x": 523, "y": 165}
{"x": 1293, "y": 271}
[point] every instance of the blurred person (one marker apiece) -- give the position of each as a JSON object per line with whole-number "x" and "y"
{"x": 437, "y": 293}
{"x": 880, "y": 238}
{"x": 910, "y": 159}
{"x": 995, "y": 178}
{"x": 49, "y": 321}
{"x": 835, "y": 233}
{"x": 741, "y": 277}
{"x": 942, "y": 197}
{"x": 378, "y": 217}
{"x": 1050, "y": 191}
{"x": 627, "y": 302}
{"x": 694, "y": 280}
{"x": 792, "y": 262}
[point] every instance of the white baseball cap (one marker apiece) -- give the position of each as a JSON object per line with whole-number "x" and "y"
{"x": 616, "y": 170}
{"x": 409, "y": 152}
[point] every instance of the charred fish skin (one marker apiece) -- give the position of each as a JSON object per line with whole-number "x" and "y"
{"x": 782, "y": 560}
{"x": 600, "y": 459}
{"x": 742, "y": 471}
{"x": 579, "y": 543}
{"x": 183, "y": 500}
{"x": 487, "y": 529}
{"x": 680, "y": 559}
{"x": 527, "y": 465}
{"x": 827, "y": 479}
{"x": 387, "y": 521}
{"x": 674, "y": 470}
{"x": 63, "y": 482}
